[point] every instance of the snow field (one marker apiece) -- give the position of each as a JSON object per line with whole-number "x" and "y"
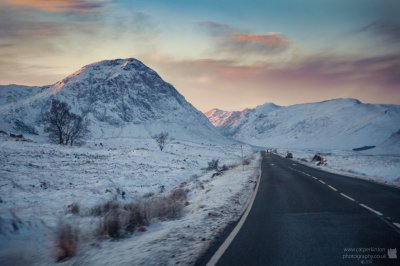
{"x": 39, "y": 181}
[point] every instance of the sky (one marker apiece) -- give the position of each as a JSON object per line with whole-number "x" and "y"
{"x": 227, "y": 54}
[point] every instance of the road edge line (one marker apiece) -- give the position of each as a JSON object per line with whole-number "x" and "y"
{"x": 224, "y": 246}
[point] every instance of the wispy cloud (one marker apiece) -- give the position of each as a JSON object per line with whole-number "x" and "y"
{"x": 62, "y": 5}
{"x": 269, "y": 43}
{"x": 270, "y": 39}
{"x": 223, "y": 82}
{"x": 31, "y": 38}
{"x": 240, "y": 43}
{"x": 389, "y": 30}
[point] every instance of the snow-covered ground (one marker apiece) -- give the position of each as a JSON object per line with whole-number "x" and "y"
{"x": 380, "y": 168}
{"x": 39, "y": 181}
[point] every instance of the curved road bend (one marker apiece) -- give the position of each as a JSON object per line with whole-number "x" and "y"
{"x": 304, "y": 216}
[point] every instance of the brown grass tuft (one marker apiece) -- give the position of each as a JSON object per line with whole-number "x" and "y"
{"x": 66, "y": 242}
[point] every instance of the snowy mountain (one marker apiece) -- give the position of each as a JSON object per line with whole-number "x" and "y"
{"x": 334, "y": 124}
{"x": 10, "y": 94}
{"x": 230, "y": 122}
{"x": 390, "y": 145}
{"x": 121, "y": 98}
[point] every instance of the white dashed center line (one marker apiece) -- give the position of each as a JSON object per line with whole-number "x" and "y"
{"x": 370, "y": 209}
{"x": 334, "y": 189}
{"x": 347, "y": 197}
{"x": 344, "y": 195}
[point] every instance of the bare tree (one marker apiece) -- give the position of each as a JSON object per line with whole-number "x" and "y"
{"x": 56, "y": 120}
{"x": 76, "y": 129}
{"x": 63, "y": 126}
{"x": 161, "y": 139}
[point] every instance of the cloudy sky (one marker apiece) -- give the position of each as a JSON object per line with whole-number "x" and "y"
{"x": 226, "y": 53}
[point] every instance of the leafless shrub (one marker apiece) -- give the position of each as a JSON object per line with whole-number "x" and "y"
{"x": 66, "y": 242}
{"x": 73, "y": 208}
{"x": 165, "y": 207}
{"x": 178, "y": 195}
{"x": 136, "y": 218}
{"x": 121, "y": 192}
{"x": 213, "y": 164}
{"x": 319, "y": 159}
{"x": 162, "y": 208}
{"x": 246, "y": 161}
{"x": 161, "y": 139}
{"x": 113, "y": 223}
{"x": 102, "y": 209}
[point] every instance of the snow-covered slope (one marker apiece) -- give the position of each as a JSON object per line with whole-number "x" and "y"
{"x": 226, "y": 121}
{"x": 229, "y": 123}
{"x": 10, "y": 94}
{"x": 121, "y": 98}
{"x": 390, "y": 145}
{"x": 334, "y": 124}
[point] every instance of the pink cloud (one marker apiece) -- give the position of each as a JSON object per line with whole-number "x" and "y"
{"x": 236, "y": 42}
{"x": 273, "y": 39}
{"x": 61, "y": 5}
{"x": 212, "y": 83}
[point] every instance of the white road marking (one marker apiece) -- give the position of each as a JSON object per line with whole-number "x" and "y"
{"x": 397, "y": 225}
{"x": 370, "y": 209}
{"x": 334, "y": 189}
{"x": 350, "y": 198}
{"x": 347, "y": 197}
{"x": 224, "y": 246}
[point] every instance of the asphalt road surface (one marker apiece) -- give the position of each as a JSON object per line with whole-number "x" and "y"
{"x": 305, "y": 216}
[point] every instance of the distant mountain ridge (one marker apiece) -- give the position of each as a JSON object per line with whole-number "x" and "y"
{"x": 333, "y": 124}
{"x": 121, "y": 98}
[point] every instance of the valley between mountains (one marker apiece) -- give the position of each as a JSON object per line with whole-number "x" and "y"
{"x": 118, "y": 199}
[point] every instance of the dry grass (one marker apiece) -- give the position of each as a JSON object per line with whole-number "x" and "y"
{"x": 66, "y": 242}
{"x": 178, "y": 195}
{"x": 113, "y": 223}
{"x": 118, "y": 220}
{"x": 102, "y": 209}
{"x": 136, "y": 218}
{"x": 73, "y": 208}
